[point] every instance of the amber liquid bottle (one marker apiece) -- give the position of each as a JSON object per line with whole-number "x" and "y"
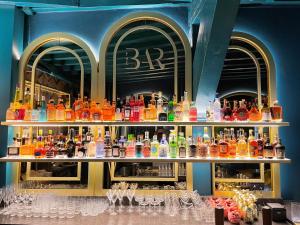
{"x": 51, "y": 111}
{"x": 268, "y": 150}
{"x": 254, "y": 113}
{"x": 232, "y": 144}
{"x": 223, "y": 146}
{"x": 60, "y": 110}
{"x": 260, "y": 146}
{"x": 242, "y": 148}
{"x": 78, "y": 106}
{"x": 276, "y": 112}
{"x": 252, "y": 145}
{"x": 214, "y": 148}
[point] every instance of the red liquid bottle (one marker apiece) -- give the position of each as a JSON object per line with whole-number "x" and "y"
{"x": 136, "y": 110}
{"x": 132, "y": 104}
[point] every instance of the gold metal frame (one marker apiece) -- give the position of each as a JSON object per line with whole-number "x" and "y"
{"x": 271, "y": 75}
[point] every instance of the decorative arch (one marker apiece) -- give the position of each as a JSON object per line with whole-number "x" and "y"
{"x": 144, "y": 16}
{"x": 57, "y": 36}
{"x": 267, "y": 56}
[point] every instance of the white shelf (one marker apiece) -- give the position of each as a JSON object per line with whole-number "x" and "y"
{"x": 192, "y": 160}
{"x": 144, "y": 123}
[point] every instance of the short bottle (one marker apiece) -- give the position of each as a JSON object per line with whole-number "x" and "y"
{"x": 254, "y": 113}
{"x": 192, "y": 147}
{"x": 276, "y": 112}
{"x": 69, "y": 114}
{"x": 242, "y": 148}
{"x": 280, "y": 150}
{"x": 223, "y": 146}
{"x": 227, "y": 112}
{"x": 116, "y": 149}
{"x": 130, "y": 150}
{"x": 154, "y": 147}
{"x": 51, "y": 110}
{"x": 202, "y": 148}
{"x": 242, "y": 113}
{"x": 232, "y": 148}
{"x": 163, "y": 147}
{"x": 266, "y": 113}
{"x": 268, "y": 150}
{"x": 182, "y": 145}
{"x": 91, "y": 150}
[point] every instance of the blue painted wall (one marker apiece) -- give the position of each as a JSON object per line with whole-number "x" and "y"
{"x": 278, "y": 28}
{"x": 91, "y": 26}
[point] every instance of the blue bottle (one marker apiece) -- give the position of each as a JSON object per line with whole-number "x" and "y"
{"x": 43, "y": 110}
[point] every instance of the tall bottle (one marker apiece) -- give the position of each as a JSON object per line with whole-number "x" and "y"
{"x": 260, "y": 146}
{"x": 43, "y": 110}
{"x": 154, "y": 147}
{"x": 171, "y": 113}
{"x": 182, "y": 145}
{"x": 10, "y": 112}
{"x": 178, "y": 111}
{"x": 147, "y": 145}
{"x": 172, "y": 146}
{"x": 253, "y": 145}
{"x": 107, "y": 147}
{"x": 78, "y": 107}
{"x": 153, "y": 111}
{"x": 130, "y": 150}
{"x": 242, "y": 148}
{"x": 118, "y": 113}
{"x": 160, "y": 103}
{"x": 232, "y": 144}
{"x": 60, "y": 110}
{"x": 136, "y": 109}
{"x": 139, "y": 147}
{"x": 141, "y": 108}
{"x": 223, "y": 146}
{"x": 217, "y": 110}
{"x": 91, "y": 149}
{"x": 254, "y": 113}
{"x": 122, "y": 147}
{"x": 70, "y": 144}
{"x": 214, "y": 148}
{"x": 193, "y": 112}
{"x": 51, "y": 110}
{"x": 163, "y": 147}
{"x": 100, "y": 152}
{"x": 127, "y": 109}
{"x": 27, "y": 106}
{"x": 85, "y": 114}
{"x": 116, "y": 149}
{"x": 185, "y": 107}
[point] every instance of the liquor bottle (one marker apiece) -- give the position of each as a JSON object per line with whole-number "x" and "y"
{"x": 70, "y": 144}
{"x": 178, "y": 111}
{"x": 27, "y": 105}
{"x": 17, "y": 96}
{"x": 253, "y": 145}
{"x": 242, "y": 113}
{"x": 136, "y": 109}
{"x": 154, "y": 147}
{"x": 50, "y": 148}
{"x": 100, "y": 152}
{"x": 217, "y": 110}
{"x": 223, "y": 146}
{"x": 51, "y": 110}
{"x": 139, "y": 147}
{"x": 171, "y": 113}
{"x": 266, "y": 113}
{"x": 122, "y": 147}
{"x": 210, "y": 112}
{"x": 193, "y": 112}
{"x": 10, "y": 112}
{"x": 107, "y": 147}
{"x": 206, "y": 138}
{"x": 20, "y": 110}
{"x": 232, "y": 148}
{"x": 185, "y": 107}
{"x": 91, "y": 148}
{"x": 69, "y": 114}
{"x": 163, "y": 147}
{"x": 43, "y": 110}
{"x": 39, "y": 151}
{"x": 260, "y": 146}
{"x": 116, "y": 149}
{"x": 118, "y": 113}
{"x": 60, "y": 110}
{"x": 96, "y": 114}
{"x": 234, "y": 110}
{"x": 106, "y": 111}
{"x": 276, "y": 112}
{"x": 78, "y": 107}
{"x": 147, "y": 145}
{"x": 202, "y": 148}
{"x": 254, "y": 113}
{"x": 141, "y": 108}
{"x": 127, "y": 109}
{"x": 280, "y": 150}
{"x": 153, "y": 110}
{"x": 242, "y": 148}
{"x": 35, "y": 114}
{"x": 130, "y": 150}
{"x": 160, "y": 103}
{"x": 163, "y": 115}
{"x": 132, "y": 105}
{"x": 112, "y": 111}
{"x": 192, "y": 147}
{"x": 227, "y": 112}
{"x": 85, "y": 114}
{"x": 268, "y": 150}
{"x": 88, "y": 136}
{"x": 172, "y": 146}
{"x": 214, "y": 148}
{"x": 182, "y": 145}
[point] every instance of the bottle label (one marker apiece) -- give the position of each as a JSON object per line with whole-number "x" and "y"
{"x": 154, "y": 150}
{"x": 182, "y": 152}
{"x": 77, "y": 107}
{"x": 223, "y": 149}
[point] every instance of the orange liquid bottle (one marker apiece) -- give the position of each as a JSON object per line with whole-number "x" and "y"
{"x": 60, "y": 110}
{"x": 223, "y": 146}
{"x": 51, "y": 110}
{"x": 85, "y": 114}
{"x": 78, "y": 106}
{"x": 254, "y": 113}
{"x": 232, "y": 144}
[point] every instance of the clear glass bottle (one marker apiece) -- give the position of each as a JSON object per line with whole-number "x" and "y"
{"x": 182, "y": 145}
{"x": 192, "y": 147}
{"x": 118, "y": 113}
{"x": 100, "y": 152}
{"x": 242, "y": 148}
{"x": 130, "y": 150}
{"x": 217, "y": 110}
{"x": 185, "y": 107}
{"x": 91, "y": 149}
{"x": 276, "y": 112}
{"x": 51, "y": 110}
{"x": 210, "y": 112}
{"x": 280, "y": 150}
{"x": 154, "y": 147}
{"x": 147, "y": 145}
{"x": 178, "y": 111}
{"x": 163, "y": 147}
{"x": 141, "y": 108}
{"x": 266, "y": 113}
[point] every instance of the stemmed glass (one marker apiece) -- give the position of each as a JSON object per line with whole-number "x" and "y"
{"x": 130, "y": 194}
{"x": 149, "y": 199}
{"x": 114, "y": 199}
{"x": 120, "y": 196}
{"x": 109, "y": 195}
{"x": 139, "y": 199}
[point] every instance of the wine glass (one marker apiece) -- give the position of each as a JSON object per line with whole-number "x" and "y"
{"x": 130, "y": 194}
{"x": 114, "y": 199}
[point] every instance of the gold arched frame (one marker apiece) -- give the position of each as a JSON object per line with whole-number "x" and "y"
{"x": 272, "y": 93}
{"x": 51, "y": 49}
{"x": 144, "y": 27}
{"x": 57, "y": 37}
{"x": 133, "y": 17}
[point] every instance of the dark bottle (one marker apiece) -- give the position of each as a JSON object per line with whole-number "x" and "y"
{"x": 127, "y": 109}
{"x": 122, "y": 147}
{"x": 163, "y": 115}
{"x": 280, "y": 150}
{"x": 268, "y": 150}
{"x": 139, "y": 147}
{"x": 192, "y": 147}
{"x": 107, "y": 147}
{"x": 260, "y": 146}
{"x": 227, "y": 112}
{"x": 71, "y": 144}
{"x": 116, "y": 149}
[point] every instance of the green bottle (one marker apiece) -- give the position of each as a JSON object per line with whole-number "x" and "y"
{"x": 172, "y": 146}
{"x": 171, "y": 113}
